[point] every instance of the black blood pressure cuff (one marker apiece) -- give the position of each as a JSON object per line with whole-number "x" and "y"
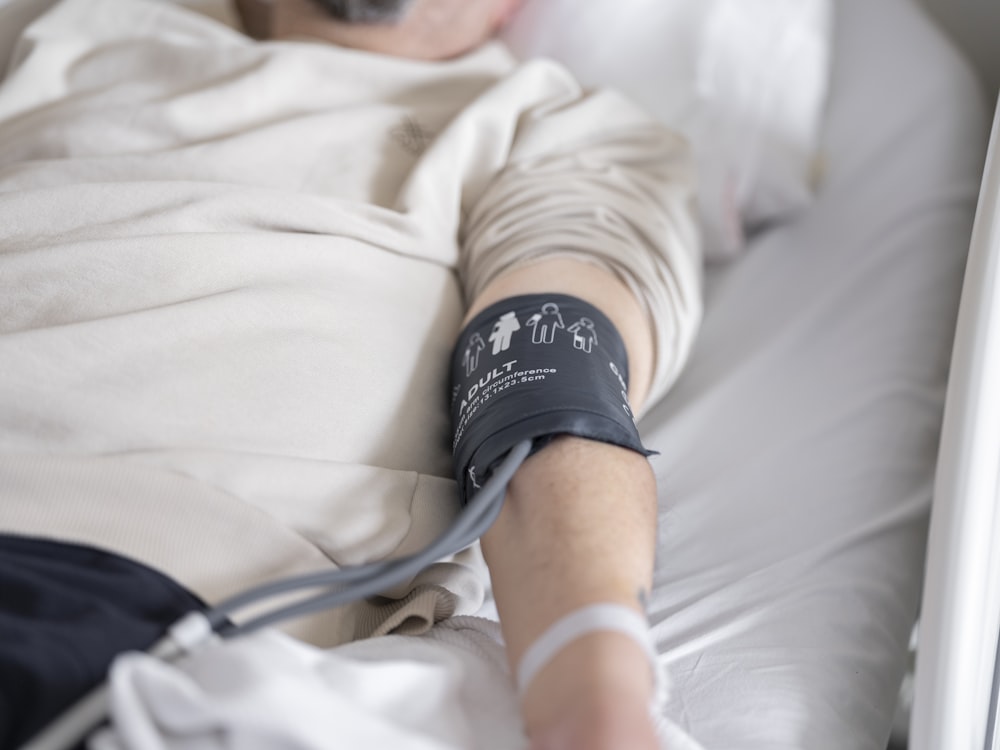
{"x": 533, "y": 367}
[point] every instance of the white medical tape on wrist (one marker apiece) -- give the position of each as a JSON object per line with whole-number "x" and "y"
{"x": 615, "y": 618}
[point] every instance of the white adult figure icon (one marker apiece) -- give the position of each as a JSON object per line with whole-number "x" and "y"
{"x": 471, "y": 357}
{"x": 545, "y": 324}
{"x": 584, "y": 335}
{"x": 503, "y": 330}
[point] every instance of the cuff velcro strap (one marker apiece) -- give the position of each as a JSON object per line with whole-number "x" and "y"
{"x": 532, "y": 367}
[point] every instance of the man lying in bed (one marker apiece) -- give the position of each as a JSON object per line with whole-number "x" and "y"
{"x": 233, "y": 273}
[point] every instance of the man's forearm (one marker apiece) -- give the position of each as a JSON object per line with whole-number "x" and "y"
{"x": 577, "y": 528}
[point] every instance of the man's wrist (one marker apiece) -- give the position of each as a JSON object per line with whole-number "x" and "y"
{"x": 591, "y": 668}
{"x": 596, "y": 693}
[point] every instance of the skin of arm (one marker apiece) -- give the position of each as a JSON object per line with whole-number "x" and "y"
{"x": 578, "y": 528}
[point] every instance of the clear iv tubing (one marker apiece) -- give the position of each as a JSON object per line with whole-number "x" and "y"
{"x": 344, "y": 586}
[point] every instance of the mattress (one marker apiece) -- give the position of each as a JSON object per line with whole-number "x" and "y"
{"x": 797, "y": 452}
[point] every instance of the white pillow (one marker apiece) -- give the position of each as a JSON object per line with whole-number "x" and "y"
{"x": 744, "y": 80}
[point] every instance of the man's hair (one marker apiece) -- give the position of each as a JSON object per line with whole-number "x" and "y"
{"x": 366, "y": 11}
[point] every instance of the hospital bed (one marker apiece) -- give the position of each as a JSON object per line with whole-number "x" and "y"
{"x": 798, "y": 453}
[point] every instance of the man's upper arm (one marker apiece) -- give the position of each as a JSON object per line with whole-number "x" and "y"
{"x": 593, "y": 178}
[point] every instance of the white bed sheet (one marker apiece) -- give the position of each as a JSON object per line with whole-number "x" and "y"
{"x": 798, "y": 449}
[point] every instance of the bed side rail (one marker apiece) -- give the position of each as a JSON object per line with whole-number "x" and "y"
{"x": 957, "y": 679}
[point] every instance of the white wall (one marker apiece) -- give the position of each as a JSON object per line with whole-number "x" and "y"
{"x": 975, "y": 24}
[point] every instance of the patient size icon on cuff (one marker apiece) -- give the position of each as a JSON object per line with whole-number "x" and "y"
{"x": 503, "y": 331}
